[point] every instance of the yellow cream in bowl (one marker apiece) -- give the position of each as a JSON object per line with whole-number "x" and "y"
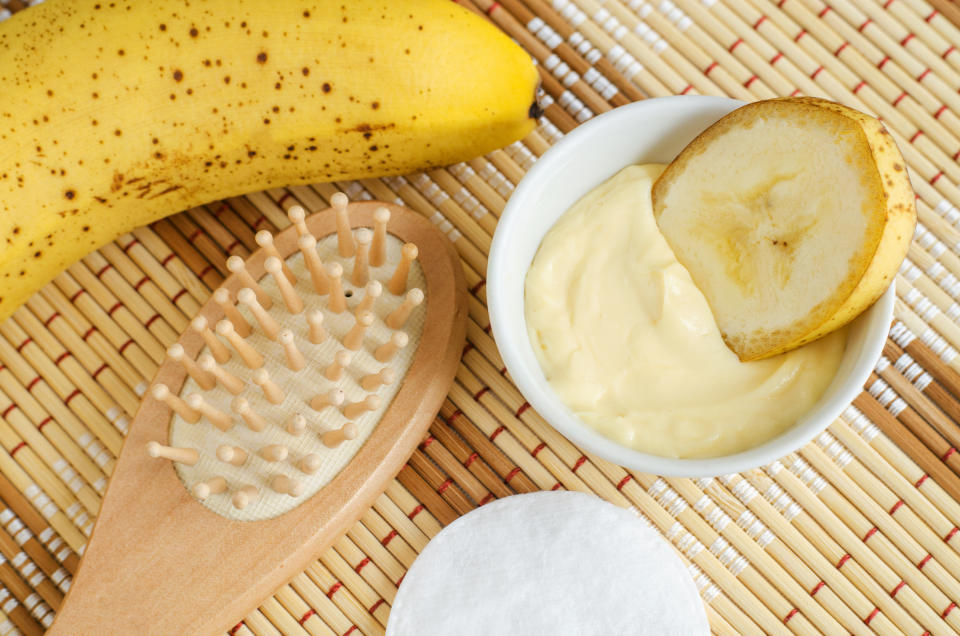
{"x": 629, "y": 344}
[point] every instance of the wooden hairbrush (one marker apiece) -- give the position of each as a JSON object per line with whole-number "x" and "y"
{"x": 298, "y": 392}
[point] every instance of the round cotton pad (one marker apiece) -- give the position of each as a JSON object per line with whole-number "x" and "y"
{"x": 548, "y": 563}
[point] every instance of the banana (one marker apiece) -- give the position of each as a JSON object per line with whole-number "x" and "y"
{"x": 792, "y": 217}
{"x": 117, "y": 113}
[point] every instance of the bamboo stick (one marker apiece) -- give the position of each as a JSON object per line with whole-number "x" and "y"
{"x": 881, "y": 546}
{"x": 27, "y": 524}
{"x": 53, "y": 388}
{"x": 929, "y": 26}
{"x": 859, "y": 426}
{"x": 148, "y": 251}
{"x": 30, "y": 612}
{"x": 26, "y": 569}
{"x": 868, "y": 459}
{"x": 95, "y": 327}
{"x": 34, "y": 550}
{"x": 280, "y": 617}
{"x": 817, "y": 513}
{"x": 815, "y": 551}
{"x": 930, "y": 362}
{"x": 340, "y": 606}
{"x": 43, "y": 325}
{"x": 258, "y": 624}
{"x": 902, "y": 527}
{"x": 949, "y": 10}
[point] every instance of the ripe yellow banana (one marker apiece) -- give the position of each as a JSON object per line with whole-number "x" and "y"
{"x": 117, "y": 113}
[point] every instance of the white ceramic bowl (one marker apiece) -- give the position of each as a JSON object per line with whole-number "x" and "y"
{"x": 654, "y": 130}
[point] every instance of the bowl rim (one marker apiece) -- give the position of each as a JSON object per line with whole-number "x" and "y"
{"x": 878, "y": 318}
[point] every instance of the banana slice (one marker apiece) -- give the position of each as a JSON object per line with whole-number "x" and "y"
{"x": 792, "y": 217}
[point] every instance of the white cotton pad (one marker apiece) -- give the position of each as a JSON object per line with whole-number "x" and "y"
{"x": 552, "y": 563}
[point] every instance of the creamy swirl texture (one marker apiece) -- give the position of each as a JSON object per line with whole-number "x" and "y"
{"x": 629, "y": 344}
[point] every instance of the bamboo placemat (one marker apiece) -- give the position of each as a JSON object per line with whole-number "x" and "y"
{"x": 855, "y": 533}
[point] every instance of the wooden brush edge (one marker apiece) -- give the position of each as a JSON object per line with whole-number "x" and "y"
{"x": 138, "y": 551}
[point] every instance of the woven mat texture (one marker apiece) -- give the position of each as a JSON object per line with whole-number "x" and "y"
{"x": 855, "y": 533}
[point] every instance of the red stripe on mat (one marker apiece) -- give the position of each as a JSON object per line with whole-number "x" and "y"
{"x": 387, "y": 539}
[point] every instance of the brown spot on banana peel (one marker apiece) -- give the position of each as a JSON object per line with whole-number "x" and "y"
{"x": 535, "y": 112}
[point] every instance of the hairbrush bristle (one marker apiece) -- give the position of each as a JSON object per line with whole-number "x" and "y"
{"x": 322, "y": 314}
